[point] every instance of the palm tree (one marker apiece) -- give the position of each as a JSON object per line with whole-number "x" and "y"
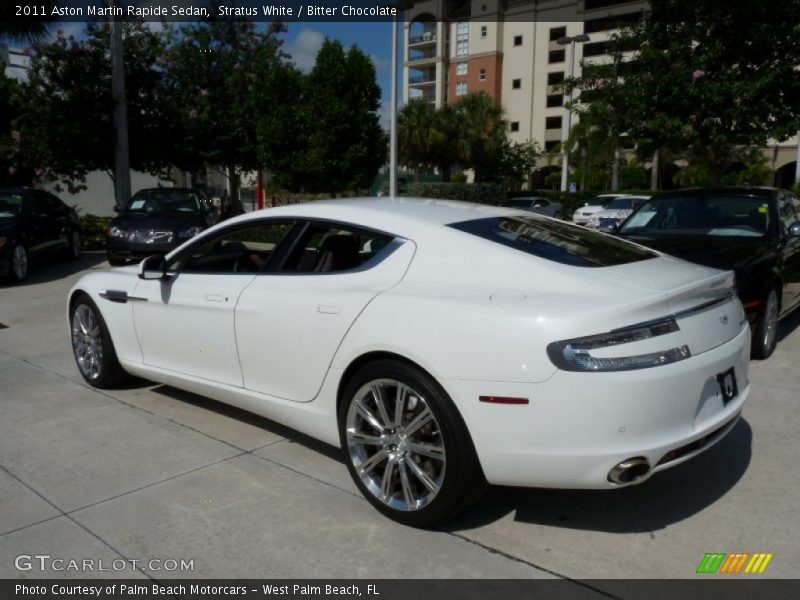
{"x": 24, "y": 33}
{"x": 420, "y": 136}
{"x": 482, "y": 133}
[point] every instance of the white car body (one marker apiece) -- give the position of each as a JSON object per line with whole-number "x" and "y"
{"x": 477, "y": 316}
{"x": 582, "y": 215}
{"x": 617, "y": 214}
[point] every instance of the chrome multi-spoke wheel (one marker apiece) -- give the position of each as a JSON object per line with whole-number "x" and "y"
{"x": 92, "y": 345}
{"x": 75, "y": 244}
{"x": 87, "y": 341}
{"x": 765, "y": 335}
{"x": 406, "y": 445}
{"x": 19, "y": 262}
{"x": 395, "y": 444}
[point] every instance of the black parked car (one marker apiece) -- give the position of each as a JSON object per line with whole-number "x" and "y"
{"x": 157, "y": 220}
{"x": 753, "y": 231}
{"x": 34, "y": 224}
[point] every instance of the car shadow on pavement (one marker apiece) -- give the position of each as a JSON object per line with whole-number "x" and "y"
{"x": 53, "y": 269}
{"x": 249, "y": 418}
{"x": 667, "y": 498}
{"x": 787, "y": 326}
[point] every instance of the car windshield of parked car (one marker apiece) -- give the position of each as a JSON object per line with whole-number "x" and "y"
{"x": 518, "y": 203}
{"x": 717, "y": 215}
{"x": 10, "y": 205}
{"x": 619, "y": 204}
{"x": 556, "y": 241}
{"x": 164, "y": 201}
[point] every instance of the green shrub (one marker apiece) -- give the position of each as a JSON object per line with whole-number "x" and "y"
{"x": 93, "y": 231}
{"x": 480, "y": 193}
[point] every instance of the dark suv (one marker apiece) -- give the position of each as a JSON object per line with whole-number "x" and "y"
{"x": 34, "y": 224}
{"x": 156, "y": 221}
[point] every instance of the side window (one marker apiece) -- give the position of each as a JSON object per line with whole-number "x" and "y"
{"x": 245, "y": 249}
{"x": 38, "y": 204}
{"x": 786, "y": 211}
{"x": 332, "y": 248}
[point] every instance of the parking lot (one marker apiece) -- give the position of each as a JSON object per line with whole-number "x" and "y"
{"x": 150, "y": 472}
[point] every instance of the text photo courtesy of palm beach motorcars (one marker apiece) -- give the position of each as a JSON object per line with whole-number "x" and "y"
{"x": 489, "y": 291}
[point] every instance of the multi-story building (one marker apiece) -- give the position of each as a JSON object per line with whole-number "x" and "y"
{"x": 514, "y": 51}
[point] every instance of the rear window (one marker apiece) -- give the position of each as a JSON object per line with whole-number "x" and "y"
{"x": 556, "y": 241}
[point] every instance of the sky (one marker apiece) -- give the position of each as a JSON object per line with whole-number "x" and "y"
{"x": 304, "y": 39}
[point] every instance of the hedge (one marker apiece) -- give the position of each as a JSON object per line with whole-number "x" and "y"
{"x": 480, "y": 193}
{"x": 93, "y": 231}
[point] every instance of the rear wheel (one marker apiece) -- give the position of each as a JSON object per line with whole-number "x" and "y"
{"x": 92, "y": 346}
{"x": 557, "y": 215}
{"x": 406, "y": 446}
{"x": 765, "y": 336}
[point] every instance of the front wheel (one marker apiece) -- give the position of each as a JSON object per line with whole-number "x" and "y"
{"x": 74, "y": 245}
{"x": 20, "y": 263}
{"x": 92, "y": 346}
{"x": 765, "y": 336}
{"x": 406, "y": 446}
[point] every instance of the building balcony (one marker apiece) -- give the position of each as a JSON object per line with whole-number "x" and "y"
{"x": 423, "y": 40}
{"x": 422, "y": 57}
{"x": 421, "y": 80}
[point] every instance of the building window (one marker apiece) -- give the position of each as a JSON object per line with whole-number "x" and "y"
{"x": 461, "y": 68}
{"x": 461, "y": 88}
{"x": 550, "y": 145}
{"x": 482, "y": 75}
{"x": 556, "y": 56}
{"x": 514, "y": 125}
{"x": 554, "y": 100}
{"x": 516, "y": 84}
{"x": 552, "y": 123}
{"x": 556, "y": 78}
{"x": 518, "y": 40}
{"x": 597, "y": 48}
{"x": 462, "y": 38}
{"x": 484, "y": 31}
{"x": 557, "y": 32}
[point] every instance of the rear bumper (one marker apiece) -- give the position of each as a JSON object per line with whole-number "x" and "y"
{"x": 577, "y": 426}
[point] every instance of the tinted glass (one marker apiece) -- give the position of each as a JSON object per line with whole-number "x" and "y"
{"x": 618, "y": 203}
{"x": 690, "y": 214}
{"x": 240, "y": 250}
{"x": 10, "y": 204}
{"x": 555, "y": 241}
{"x": 518, "y": 203}
{"x": 330, "y": 248}
{"x": 165, "y": 200}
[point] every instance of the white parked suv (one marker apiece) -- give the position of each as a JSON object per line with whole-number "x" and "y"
{"x": 582, "y": 215}
{"x": 616, "y": 212}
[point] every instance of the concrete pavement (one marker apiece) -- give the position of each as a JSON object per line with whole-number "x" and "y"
{"x": 148, "y": 471}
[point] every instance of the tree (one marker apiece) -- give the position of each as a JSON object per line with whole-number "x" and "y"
{"x": 64, "y": 126}
{"x": 336, "y": 141}
{"x": 28, "y": 31}
{"x": 721, "y": 77}
{"x": 211, "y": 72}
{"x": 481, "y": 135}
{"x": 422, "y": 136}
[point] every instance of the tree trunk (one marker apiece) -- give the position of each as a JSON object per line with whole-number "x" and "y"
{"x": 615, "y": 168}
{"x": 654, "y": 172}
{"x": 713, "y": 166}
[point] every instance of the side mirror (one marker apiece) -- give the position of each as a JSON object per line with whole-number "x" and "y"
{"x": 153, "y": 267}
{"x": 794, "y": 229}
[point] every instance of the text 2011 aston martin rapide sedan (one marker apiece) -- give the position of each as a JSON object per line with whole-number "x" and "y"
{"x": 441, "y": 345}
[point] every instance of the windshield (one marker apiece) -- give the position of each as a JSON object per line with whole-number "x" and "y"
{"x": 619, "y": 203}
{"x": 166, "y": 200}
{"x": 556, "y": 241}
{"x": 718, "y": 215}
{"x": 10, "y": 205}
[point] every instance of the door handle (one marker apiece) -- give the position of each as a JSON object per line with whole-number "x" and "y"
{"x": 215, "y": 298}
{"x": 327, "y": 309}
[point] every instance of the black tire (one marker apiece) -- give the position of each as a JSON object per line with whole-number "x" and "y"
{"x": 20, "y": 263}
{"x": 108, "y": 370}
{"x": 117, "y": 262}
{"x": 461, "y": 481}
{"x": 557, "y": 215}
{"x": 765, "y": 335}
{"x": 73, "y": 251}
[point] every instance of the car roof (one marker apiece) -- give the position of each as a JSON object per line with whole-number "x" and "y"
{"x": 387, "y": 213}
{"x": 740, "y": 189}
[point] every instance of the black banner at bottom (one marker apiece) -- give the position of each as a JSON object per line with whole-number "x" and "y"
{"x": 397, "y": 589}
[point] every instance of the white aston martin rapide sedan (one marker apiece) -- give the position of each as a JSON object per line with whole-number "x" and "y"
{"x": 441, "y": 345}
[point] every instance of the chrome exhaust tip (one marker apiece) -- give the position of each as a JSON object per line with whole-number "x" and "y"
{"x": 630, "y": 470}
